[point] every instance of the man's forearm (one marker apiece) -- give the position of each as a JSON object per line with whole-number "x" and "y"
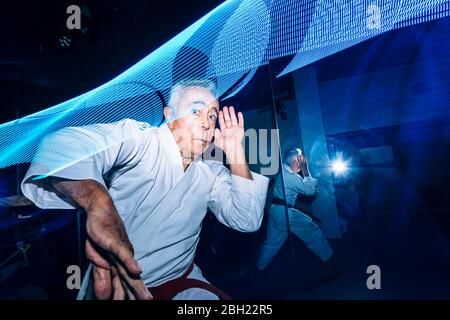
{"x": 238, "y": 164}
{"x": 306, "y": 172}
{"x": 87, "y": 194}
{"x": 108, "y": 246}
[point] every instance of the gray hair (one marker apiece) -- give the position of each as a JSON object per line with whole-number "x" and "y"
{"x": 290, "y": 154}
{"x": 177, "y": 89}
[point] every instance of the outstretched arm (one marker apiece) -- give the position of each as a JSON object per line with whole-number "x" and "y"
{"x": 116, "y": 273}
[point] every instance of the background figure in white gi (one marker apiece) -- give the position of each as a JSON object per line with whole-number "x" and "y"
{"x": 147, "y": 190}
{"x": 300, "y": 224}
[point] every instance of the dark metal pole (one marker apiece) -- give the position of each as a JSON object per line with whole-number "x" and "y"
{"x": 79, "y": 237}
{"x": 286, "y": 210}
{"x": 17, "y": 167}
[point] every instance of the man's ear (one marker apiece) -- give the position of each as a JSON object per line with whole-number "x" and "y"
{"x": 168, "y": 114}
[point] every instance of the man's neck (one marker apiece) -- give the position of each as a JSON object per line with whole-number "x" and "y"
{"x": 186, "y": 163}
{"x": 292, "y": 168}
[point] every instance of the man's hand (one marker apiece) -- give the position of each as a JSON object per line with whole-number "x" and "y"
{"x": 116, "y": 272}
{"x": 303, "y": 165}
{"x": 231, "y": 133}
{"x": 229, "y": 138}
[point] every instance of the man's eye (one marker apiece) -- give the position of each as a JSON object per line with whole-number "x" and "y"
{"x": 213, "y": 117}
{"x": 195, "y": 111}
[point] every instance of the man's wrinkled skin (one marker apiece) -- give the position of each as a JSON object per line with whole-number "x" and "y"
{"x": 116, "y": 273}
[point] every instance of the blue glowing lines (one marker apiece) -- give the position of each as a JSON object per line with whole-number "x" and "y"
{"x": 242, "y": 43}
{"x": 337, "y": 25}
{"x": 226, "y": 46}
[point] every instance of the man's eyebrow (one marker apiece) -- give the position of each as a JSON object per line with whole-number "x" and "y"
{"x": 204, "y": 104}
{"x": 198, "y": 102}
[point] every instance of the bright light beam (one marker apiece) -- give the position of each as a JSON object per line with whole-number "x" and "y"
{"x": 339, "y": 166}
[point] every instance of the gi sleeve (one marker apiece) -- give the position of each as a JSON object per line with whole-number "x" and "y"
{"x": 81, "y": 153}
{"x": 306, "y": 186}
{"x": 238, "y": 202}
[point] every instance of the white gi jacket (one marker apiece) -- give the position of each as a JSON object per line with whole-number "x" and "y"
{"x": 294, "y": 184}
{"x": 161, "y": 205}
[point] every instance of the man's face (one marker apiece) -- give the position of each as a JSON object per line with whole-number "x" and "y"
{"x": 196, "y": 115}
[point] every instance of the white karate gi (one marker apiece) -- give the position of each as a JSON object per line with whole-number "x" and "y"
{"x": 161, "y": 205}
{"x": 300, "y": 224}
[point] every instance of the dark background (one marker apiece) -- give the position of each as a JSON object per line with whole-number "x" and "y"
{"x": 404, "y": 226}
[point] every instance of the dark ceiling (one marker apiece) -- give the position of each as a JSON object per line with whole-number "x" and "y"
{"x": 35, "y": 72}
{"x": 119, "y": 34}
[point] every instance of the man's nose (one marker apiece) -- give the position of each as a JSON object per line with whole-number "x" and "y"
{"x": 205, "y": 123}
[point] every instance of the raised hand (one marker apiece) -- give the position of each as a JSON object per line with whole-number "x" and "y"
{"x": 229, "y": 138}
{"x": 231, "y": 133}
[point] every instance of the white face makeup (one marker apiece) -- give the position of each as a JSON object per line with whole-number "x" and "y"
{"x": 187, "y": 100}
{"x": 195, "y": 110}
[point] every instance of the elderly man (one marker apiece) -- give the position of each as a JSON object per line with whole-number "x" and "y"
{"x": 300, "y": 224}
{"x": 147, "y": 192}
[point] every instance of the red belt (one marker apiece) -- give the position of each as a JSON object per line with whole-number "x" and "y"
{"x": 168, "y": 290}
